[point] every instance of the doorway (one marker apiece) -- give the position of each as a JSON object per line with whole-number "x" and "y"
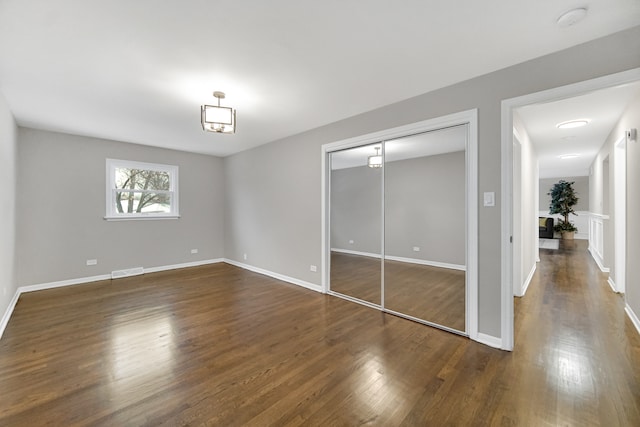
{"x": 510, "y": 256}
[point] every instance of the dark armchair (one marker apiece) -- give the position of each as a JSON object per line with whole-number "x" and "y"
{"x": 545, "y": 228}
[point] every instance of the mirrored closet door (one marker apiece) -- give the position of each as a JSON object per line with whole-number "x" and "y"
{"x": 424, "y": 226}
{"x": 398, "y": 226}
{"x": 355, "y": 223}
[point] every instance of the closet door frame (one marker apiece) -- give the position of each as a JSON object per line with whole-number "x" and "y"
{"x": 469, "y": 118}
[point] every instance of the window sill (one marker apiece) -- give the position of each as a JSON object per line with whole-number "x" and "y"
{"x": 141, "y": 217}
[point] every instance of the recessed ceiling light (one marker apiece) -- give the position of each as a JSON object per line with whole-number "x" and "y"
{"x": 569, "y": 156}
{"x": 571, "y": 17}
{"x": 573, "y": 124}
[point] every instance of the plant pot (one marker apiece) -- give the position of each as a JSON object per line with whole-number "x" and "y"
{"x": 568, "y": 235}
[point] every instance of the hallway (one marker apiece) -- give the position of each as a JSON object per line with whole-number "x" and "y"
{"x": 581, "y": 349}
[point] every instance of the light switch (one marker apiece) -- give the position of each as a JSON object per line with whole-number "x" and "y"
{"x": 489, "y": 198}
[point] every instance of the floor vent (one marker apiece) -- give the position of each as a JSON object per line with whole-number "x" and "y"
{"x": 135, "y": 271}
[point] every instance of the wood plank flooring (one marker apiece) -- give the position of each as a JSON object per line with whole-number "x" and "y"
{"x": 217, "y": 345}
{"x": 429, "y": 293}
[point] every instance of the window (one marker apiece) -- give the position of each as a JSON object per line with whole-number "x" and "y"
{"x": 141, "y": 190}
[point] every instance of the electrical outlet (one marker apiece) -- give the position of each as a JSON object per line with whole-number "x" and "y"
{"x": 416, "y": 249}
{"x": 313, "y": 268}
{"x": 351, "y": 242}
{"x": 92, "y": 261}
{"x": 194, "y": 251}
{"x": 244, "y": 256}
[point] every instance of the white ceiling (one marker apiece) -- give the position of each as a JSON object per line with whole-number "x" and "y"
{"x": 138, "y": 71}
{"x": 603, "y": 108}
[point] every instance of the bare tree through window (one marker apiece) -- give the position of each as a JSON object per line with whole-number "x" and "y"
{"x": 148, "y": 191}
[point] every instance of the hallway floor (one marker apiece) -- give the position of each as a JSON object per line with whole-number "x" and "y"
{"x": 575, "y": 347}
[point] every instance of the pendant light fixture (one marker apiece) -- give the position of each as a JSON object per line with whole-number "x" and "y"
{"x": 375, "y": 161}
{"x": 215, "y": 118}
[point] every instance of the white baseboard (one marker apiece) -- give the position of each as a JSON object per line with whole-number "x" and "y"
{"x": 183, "y": 265}
{"x": 278, "y": 276}
{"x": 403, "y": 259}
{"x": 597, "y": 259}
{"x": 633, "y": 317}
{"x": 82, "y": 280}
{"x": 489, "y": 340}
{"x": 127, "y": 272}
{"x": 8, "y": 312}
{"x": 527, "y": 282}
{"x": 426, "y": 262}
{"x": 61, "y": 283}
{"x": 350, "y": 252}
{"x": 612, "y": 284}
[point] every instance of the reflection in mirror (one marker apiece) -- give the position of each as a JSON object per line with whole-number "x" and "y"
{"x": 425, "y": 226}
{"x": 356, "y": 222}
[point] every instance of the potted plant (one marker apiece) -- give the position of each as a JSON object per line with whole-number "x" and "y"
{"x": 563, "y": 199}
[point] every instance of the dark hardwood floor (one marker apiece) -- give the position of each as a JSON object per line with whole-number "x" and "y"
{"x": 434, "y": 294}
{"x": 217, "y": 345}
{"x": 356, "y": 276}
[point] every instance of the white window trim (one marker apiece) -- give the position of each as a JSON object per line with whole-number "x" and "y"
{"x": 113, "y": 215}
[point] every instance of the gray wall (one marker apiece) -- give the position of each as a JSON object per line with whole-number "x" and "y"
{"x": 8, "y": 148}
{"x": 62, "y": 207}
{"x": 273, "y": 192}
{"x": 425, "y": 203}
{"x": 581, "y": 186}
{"x": 272, "y": 209}
{"x": 356, "y": 209}
{"x": 425, "y": 207}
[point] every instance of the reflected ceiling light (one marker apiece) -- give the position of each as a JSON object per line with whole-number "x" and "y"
{"x": 215, "y": 118}
{"x": 573, "y": 124}
{"x": 569, "y": 156}
{"x": 572, "y": 17}
{"x": 375, "y": 161}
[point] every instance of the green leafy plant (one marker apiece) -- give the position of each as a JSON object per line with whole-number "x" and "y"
{"x": 563, "y": 199}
